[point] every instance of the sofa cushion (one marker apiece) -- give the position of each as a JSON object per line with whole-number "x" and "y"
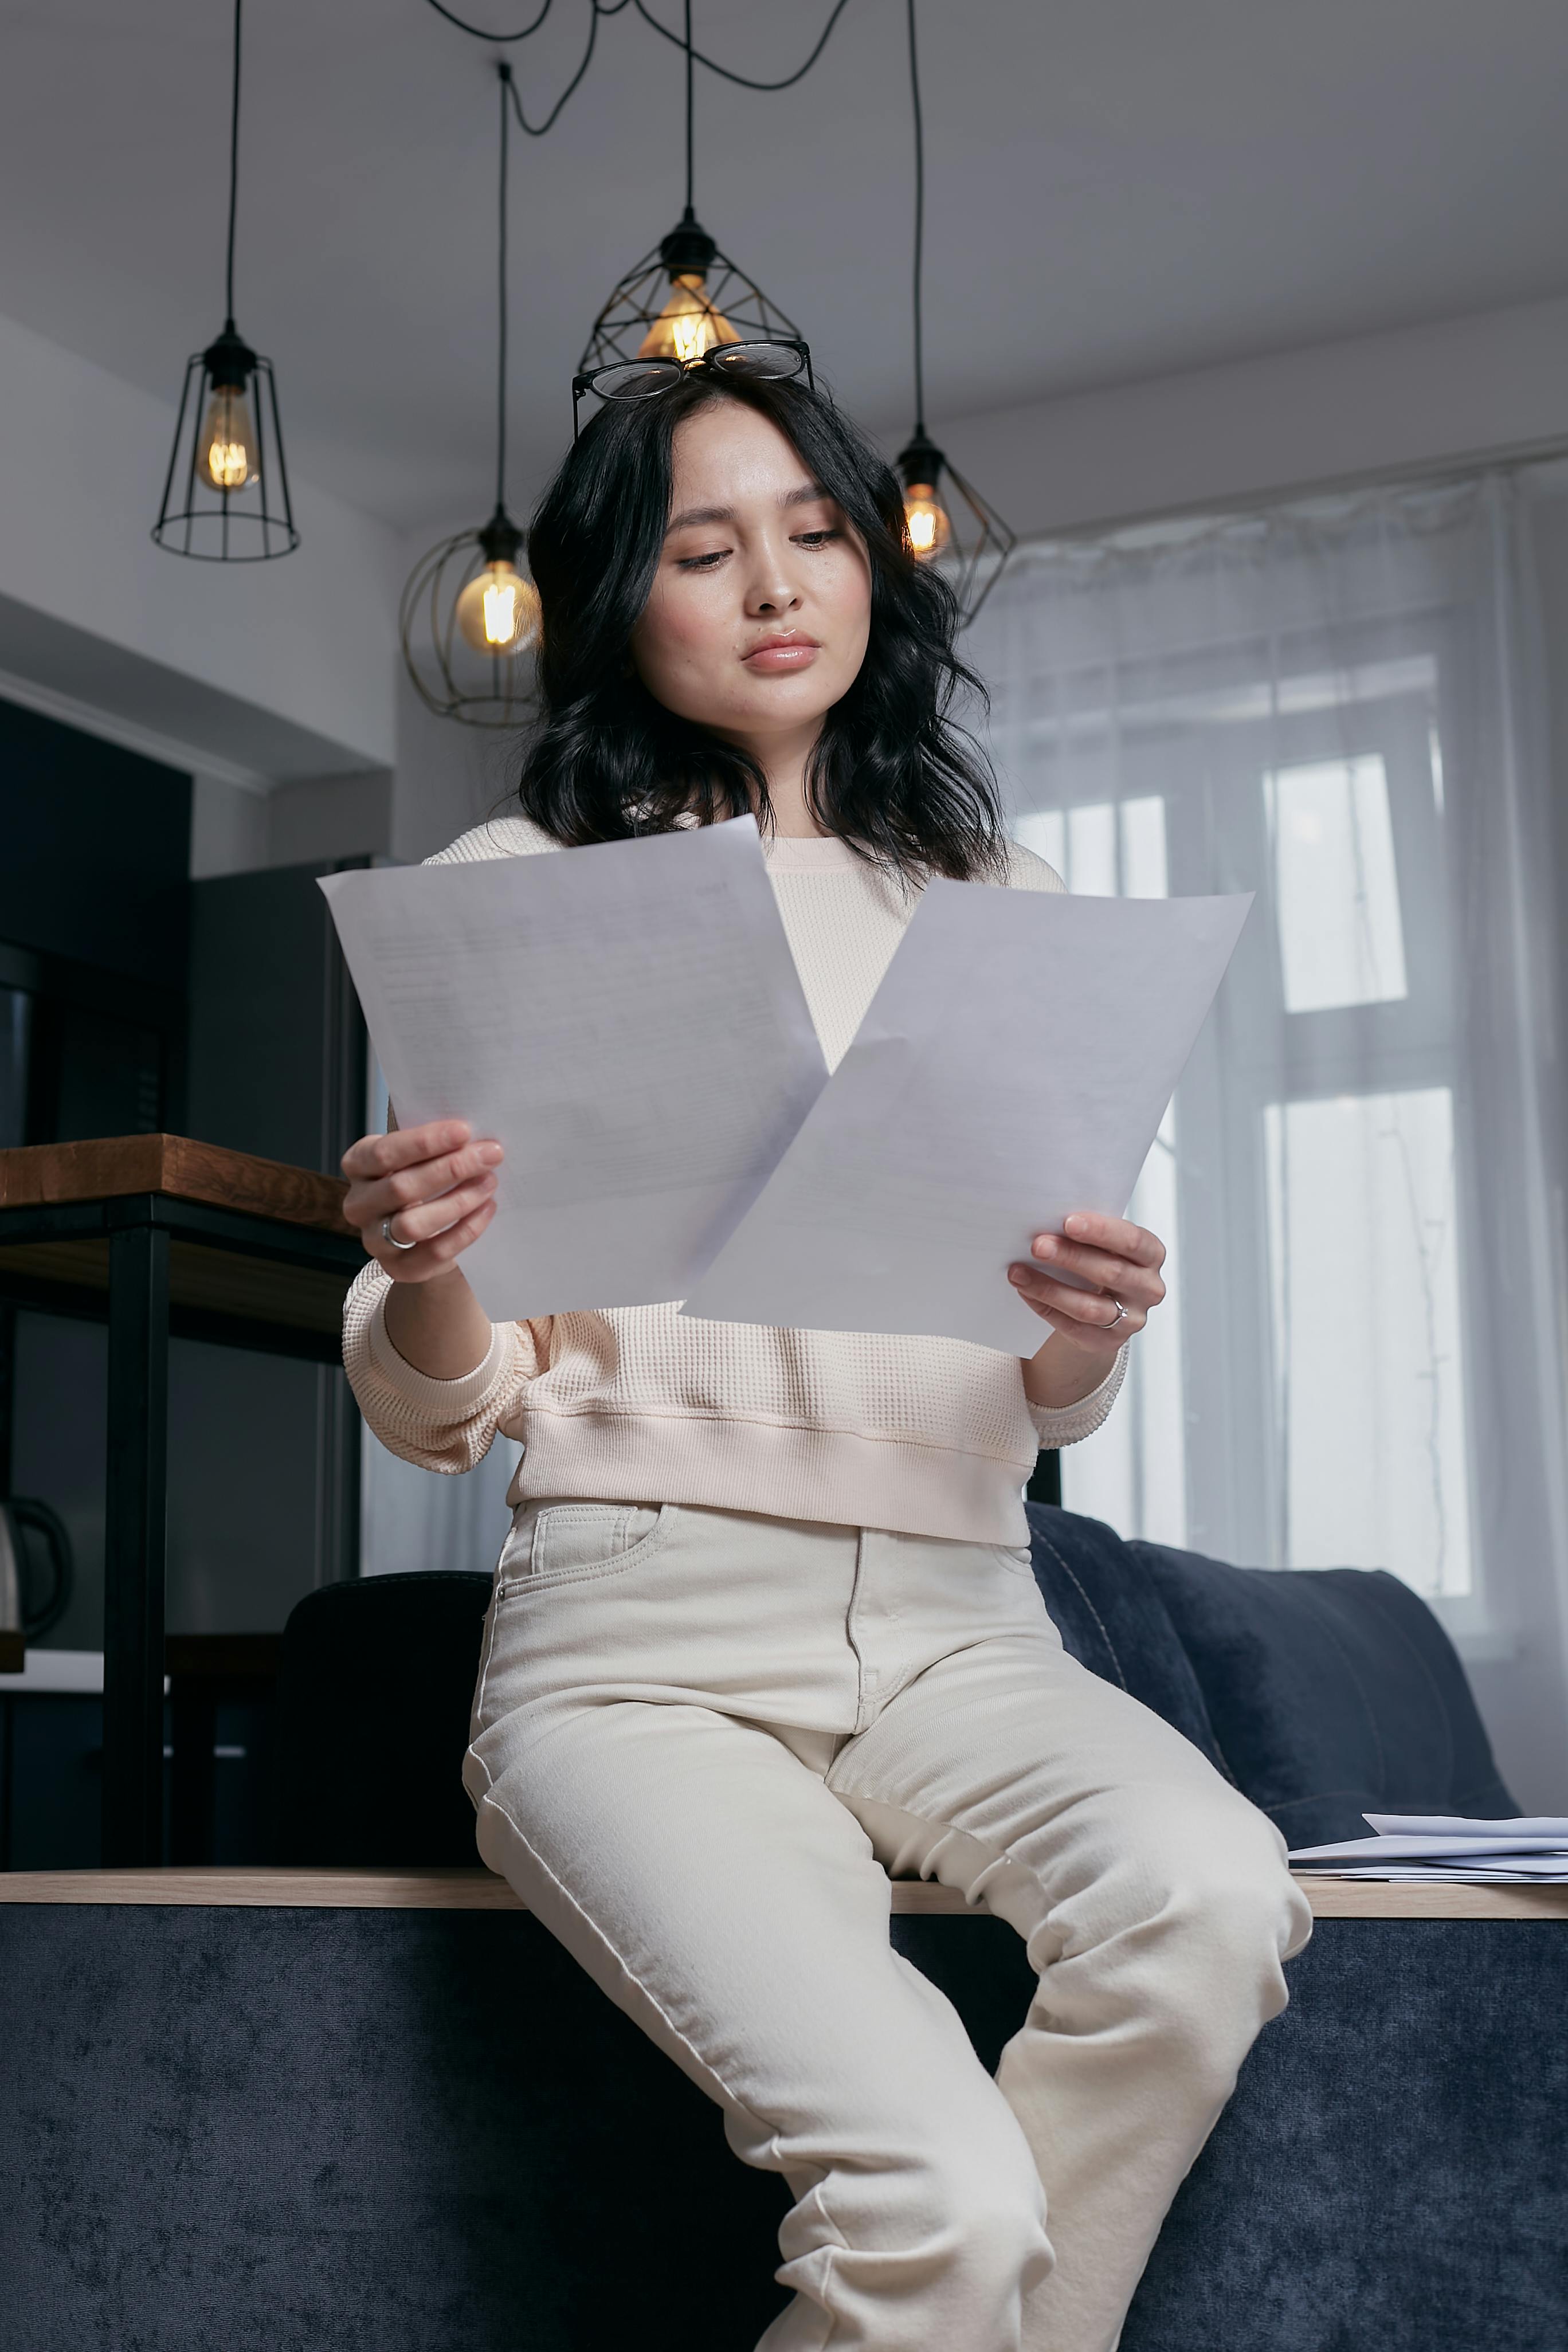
{"x": 1331, "y": 1692}
{"x": 1109, "y": 1612}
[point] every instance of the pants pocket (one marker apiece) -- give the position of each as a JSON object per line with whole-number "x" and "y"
{"x": 565, "y": 1543}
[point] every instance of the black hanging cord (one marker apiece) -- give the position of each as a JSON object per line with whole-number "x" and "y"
{"x": 688, "y": 67}
{"x": 745, "y": 80}
{"x": 233, "y": 171}
{"x": 538, "y": 130}
{"x": 598, "y": 8}
{"x": 504, "y": 70}
{"x": 920, "y": 227}
{"x": 479, "y": 32}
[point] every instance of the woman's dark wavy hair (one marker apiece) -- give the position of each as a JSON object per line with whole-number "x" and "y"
{"x": 893, "y": 774}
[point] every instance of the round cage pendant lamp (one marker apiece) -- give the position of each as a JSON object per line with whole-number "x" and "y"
{"x": 469, "y": 617}
{"x": 226, "y": 495}
{"x": 684, "y": 297}
{"x": 948, "y": 521}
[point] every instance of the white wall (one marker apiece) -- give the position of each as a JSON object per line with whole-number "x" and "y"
{"x": 449, "y": 777}
{"x": 228, "y": 828}
{"x": 237, "y": 829}
{"x": 446, "y": 779}
{"x": 1416, "y": 396}
{"x": 283, "y": 669}
{"x": 281, "y": 685}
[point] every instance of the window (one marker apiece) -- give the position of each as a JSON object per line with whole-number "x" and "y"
{"x": 1300, "y": 1400}
{"x": 1335, "y": 885}
{"x": 1105, "y": 849}
{"x": 1369, "y": 1370}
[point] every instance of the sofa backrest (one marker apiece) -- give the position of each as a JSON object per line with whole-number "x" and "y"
{"x": 1331, "y": 1693}
{"x": 1111, "y": 1617}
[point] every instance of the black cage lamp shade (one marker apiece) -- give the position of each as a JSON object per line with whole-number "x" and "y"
{"x": 949, "y": 524}
{"x": 226, "y": 495}
{"x": 685, "y": 296}
{"x": 470, "y": 621}
{"x": 469, "y": 617}
{"x": 679, "y": 301}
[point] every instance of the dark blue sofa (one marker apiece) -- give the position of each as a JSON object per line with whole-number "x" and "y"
{"x": 410, "y": 2131}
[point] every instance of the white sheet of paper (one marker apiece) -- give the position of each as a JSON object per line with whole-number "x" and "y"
{"x": 1013, "y": 1065}
{"x": 1434, "y": 1875}
{"x": 1427, "y": 1849}
{"x": 1553, "y": 1827}
{"x": 626, "y": 1018}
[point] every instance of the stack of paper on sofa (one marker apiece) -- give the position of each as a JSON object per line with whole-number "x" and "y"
{"x": 1438, "y": 1847}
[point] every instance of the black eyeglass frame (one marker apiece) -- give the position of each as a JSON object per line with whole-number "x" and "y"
{"x": 717, "y": 360}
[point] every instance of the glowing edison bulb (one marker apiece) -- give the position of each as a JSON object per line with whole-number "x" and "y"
{"x": 498, "y": 612}
{"x": 688, "y": 325}
{"x": 926, "y": 520}
{"x": 228, "y": 456}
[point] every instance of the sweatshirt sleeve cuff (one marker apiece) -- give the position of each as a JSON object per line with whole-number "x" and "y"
{"x": 440, "y": 1404}
{"x": 1068, "y": 1424}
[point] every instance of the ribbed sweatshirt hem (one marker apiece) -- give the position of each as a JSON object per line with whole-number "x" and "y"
{"x": 787, "y": 1473}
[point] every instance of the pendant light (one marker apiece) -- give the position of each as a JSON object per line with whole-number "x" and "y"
{"x": 469, "y": 617}
{"x": 947, "y": 519}
{"x": 226, "y": 495}
{"x": 684, "y": 296}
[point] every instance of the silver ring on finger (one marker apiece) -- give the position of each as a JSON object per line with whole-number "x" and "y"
{"x": 1116, "y": 1319}
{"x": 388, "y": 1236}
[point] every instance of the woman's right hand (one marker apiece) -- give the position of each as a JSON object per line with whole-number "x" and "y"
{"x": 434, "y": 1185}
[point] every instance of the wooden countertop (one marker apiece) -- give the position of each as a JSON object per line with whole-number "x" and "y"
{"x": 108, "y": 1167}
{"x": 479, "y": 1890}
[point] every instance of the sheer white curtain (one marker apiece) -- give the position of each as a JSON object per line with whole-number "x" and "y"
{"x": 414, "y": 1518}
{"x": 1339, "y": 706}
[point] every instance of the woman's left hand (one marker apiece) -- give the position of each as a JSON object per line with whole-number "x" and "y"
{"x": 1122, "y": 1260}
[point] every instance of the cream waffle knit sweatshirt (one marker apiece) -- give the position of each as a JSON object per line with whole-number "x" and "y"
{"x": 640, "y": 1405}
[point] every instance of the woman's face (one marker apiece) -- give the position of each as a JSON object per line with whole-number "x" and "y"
{"x": 760, "y": 610}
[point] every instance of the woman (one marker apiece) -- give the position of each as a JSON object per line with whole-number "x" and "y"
{"x": 764, "y": 1628}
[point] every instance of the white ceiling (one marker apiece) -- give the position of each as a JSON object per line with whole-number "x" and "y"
{"x": 1117, "y": 188}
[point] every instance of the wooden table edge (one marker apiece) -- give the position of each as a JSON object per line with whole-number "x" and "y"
{"x": 479, "y": 1890}
{"x": 179, "y": 1167}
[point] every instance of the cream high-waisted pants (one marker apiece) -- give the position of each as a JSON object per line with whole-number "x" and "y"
{"x": 703, "y": 1739}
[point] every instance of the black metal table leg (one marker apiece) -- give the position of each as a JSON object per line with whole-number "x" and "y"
{"x": 7, "y": 1393}
{"x": 134, "y": 1537}
{"x": 337, "y": 1438}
